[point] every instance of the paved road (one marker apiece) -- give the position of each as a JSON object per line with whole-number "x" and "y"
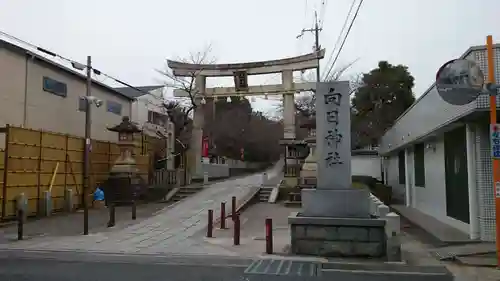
{"x": 70, "y": 266}
{"x": 34, "y": 270}
{"x": 170, "y": 231}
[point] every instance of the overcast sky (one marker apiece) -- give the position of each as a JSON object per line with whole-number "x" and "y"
{"x": 130, "y": 39}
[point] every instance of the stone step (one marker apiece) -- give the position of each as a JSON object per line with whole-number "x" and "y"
{"x": 289, "y": 203}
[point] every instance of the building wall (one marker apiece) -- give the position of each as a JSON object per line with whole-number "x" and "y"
{"x": 366, "y": 165}
{"x": 23, "y": 101}
{"x": 154, "y": 102}
{"x": 430, "y": 113}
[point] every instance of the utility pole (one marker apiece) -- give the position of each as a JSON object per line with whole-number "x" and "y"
{"x": 86, "y": 155}
{"x": 317, "y": 47}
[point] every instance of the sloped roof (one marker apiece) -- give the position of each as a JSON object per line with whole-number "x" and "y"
{"x": 48, "y": 62}
{"x": 133, "y": 93}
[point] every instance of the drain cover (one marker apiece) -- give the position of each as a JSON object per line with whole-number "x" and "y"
{"x": 283, "y": 267}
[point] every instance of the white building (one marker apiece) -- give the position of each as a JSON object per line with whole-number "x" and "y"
{"x": 150, "y": 114}
{"x": 437, "y": 159}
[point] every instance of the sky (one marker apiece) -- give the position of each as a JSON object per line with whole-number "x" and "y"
{"x": 131, "y": 40}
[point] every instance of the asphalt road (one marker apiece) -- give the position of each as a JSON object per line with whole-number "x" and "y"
{"x": 81, "y": 266}
{"x": 124, "y": 269}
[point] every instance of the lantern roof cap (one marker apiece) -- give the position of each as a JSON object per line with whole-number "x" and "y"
{"x": 125, "y": 127}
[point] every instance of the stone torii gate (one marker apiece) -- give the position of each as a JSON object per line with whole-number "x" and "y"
{"x": 240, "y": 72}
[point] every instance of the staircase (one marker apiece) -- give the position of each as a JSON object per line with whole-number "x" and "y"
{"x": 264, "y": 193}
{"x": 294, "y": 198}
{"x": 185, "y": 192}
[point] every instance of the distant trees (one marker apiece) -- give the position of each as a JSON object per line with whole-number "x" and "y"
{"x": 383, "y": 95}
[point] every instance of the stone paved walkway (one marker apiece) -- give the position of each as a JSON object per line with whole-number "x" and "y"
{"x": 170, "y": 231}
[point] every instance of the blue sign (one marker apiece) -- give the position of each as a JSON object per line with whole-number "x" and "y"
{"x": 495, "y": 140}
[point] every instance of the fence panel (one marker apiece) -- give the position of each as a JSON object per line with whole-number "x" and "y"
{"x": 31, "y": 158}
{"x": 3, "y": 131}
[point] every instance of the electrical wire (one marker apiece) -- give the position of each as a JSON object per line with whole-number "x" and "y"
{"x": 346, "y": 35}
{"x": 345, "y": 38}
{"x": 322, "y": 12}
{"x": 53, "y": 54}
{"x": 338, "y": 39}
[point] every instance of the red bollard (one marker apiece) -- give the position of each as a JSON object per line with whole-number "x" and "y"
{"x": 222, "y": 215}
{"x": 233, "y": 207}
{"x": 269, "y": 236}
{"x": 236, "y": 236}
{"x": 210, "y": 226}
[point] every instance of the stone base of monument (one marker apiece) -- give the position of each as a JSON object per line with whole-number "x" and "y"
{"x": 337, "y": 223}
{"x": 337, "y": 237}
{"x": 352, "y": 203}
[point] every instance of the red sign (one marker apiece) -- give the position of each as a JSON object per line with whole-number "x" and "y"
{"x": 205, "y": 147}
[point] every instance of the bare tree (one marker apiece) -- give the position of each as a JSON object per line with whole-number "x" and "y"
{"x": 187, "y": 84}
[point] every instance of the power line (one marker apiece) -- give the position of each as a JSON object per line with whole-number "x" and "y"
{"x": 339, "y": 38}
{"x": 74, "y": 63}
{"x": 345, "y": 38}
{"x": 322, "y": 12}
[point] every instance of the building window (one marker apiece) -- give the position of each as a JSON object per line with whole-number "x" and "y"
{"x": 419, "y": 164}
{"x": 55, "y": 87}
{"x": 114, "y": 107}
{"x": 401, "y": 167}
{"x": 82, "y": 104}
{"x": 157, "y": 118}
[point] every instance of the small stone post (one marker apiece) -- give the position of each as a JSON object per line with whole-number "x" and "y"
{"x": 68, "y": 200}
{"x": 392, "y": 230}
{"x": 205, "y": 178}
{"x": 383, "y": 210}
{"x": 46, "y": 203}
{"x": 264, "y": 179}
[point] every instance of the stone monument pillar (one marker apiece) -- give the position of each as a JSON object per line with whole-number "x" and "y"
{"x": 334, "y": 195}
{"x": 335, "y": 218}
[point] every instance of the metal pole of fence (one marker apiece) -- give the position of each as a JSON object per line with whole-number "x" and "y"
{"x": 222, "y": 215}
{"x": 236, "y": 233}
{"x": 233, "y": 207}
{"x": 210, "y": 225}
{"x": 134, "y": 210}
{"x": 269, "y": 236}
{"x": 111, "y": 221}
{"x": 20, "y": 224}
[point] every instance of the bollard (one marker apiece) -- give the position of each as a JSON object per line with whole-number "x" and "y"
{"x": 68, "y": 200}
{"x": 111, "y": 221}
{"x": 134, "y": 210}
{"x": 210, "y": 225}
{"x": 393, "y": 248}
{"x": 20, "y": 223}
{"x": 392, "y": 224}
{"x": 236, "y": 232}
{"x": 47, "y": 203}
{"x": 233, "y": 207}
{"x": 377, "y": 203}
{"x": 264, "y": 179}
{"x": 269, "y": 236}
{"x": 222, "y": 215}
{"x": 383, "y": 210}
{"x": 205, "y": 178}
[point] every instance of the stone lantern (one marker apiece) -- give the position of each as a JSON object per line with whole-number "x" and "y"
{"x": 124, "y": 182}
{"x": 308, "y": 173}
